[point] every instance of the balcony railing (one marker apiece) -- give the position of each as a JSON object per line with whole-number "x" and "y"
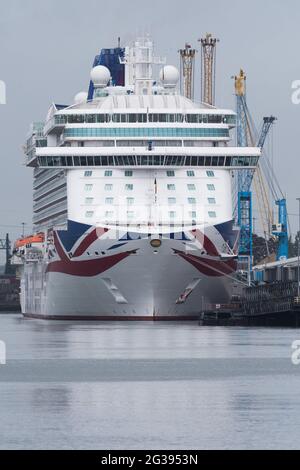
{"x": 49, "y": 175}
{"x": 55, "y": 184}
{"x": 51, "y": 212}
{"x": 46, "y": 201}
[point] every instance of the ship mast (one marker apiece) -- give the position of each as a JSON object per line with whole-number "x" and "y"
{"x": 139, "y": 60}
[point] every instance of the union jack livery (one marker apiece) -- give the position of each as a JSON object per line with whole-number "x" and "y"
{"x": 133, "y": 213}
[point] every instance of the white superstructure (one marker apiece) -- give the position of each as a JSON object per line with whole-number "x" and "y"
{"x": 132, "y": 195}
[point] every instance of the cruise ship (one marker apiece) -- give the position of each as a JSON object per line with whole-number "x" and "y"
{"x": 132, "y": 199}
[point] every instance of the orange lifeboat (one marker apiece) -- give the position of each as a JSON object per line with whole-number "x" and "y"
{"x": 38, "y": 238}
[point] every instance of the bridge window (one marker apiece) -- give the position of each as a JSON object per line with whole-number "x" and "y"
{"x": 146, "y": 132}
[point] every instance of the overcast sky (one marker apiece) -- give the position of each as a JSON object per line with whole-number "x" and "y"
{"x": 47, "y": 48}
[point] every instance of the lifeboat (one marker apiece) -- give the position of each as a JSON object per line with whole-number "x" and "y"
{"x": 32, "y": 239}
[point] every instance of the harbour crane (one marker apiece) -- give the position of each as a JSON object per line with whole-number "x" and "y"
{"x": 244, "y": 178}
{"x": 279, "y": 230}
{"x": 246, "y": 137}
{"x": 208, "y": 69}
{"x": 187, "y": 71}
{"x": 267, "y": 123}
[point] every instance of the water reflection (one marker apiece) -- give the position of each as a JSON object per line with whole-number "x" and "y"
{"x": 51, "y": 399}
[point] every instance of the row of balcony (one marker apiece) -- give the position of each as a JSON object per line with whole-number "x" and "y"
{"x": 57, "y": 196}
{"x": 50, "y": 213}
{"x": 49, "y": 187}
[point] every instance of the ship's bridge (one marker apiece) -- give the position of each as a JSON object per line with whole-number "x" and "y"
{"x": 110, "y": 116}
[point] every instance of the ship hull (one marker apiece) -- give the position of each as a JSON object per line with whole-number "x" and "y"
{"x": 127, "y": 280}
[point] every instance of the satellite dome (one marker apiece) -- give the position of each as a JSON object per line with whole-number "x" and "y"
{"x": 81, "y": 97}
{"x": 169, "y": 76}
{"x": 100, "y": 76}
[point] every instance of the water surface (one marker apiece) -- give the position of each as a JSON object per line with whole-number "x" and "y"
{"x": 143, "y": 385}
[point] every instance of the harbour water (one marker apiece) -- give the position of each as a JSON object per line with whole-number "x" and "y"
{"x": 147, "y": 386}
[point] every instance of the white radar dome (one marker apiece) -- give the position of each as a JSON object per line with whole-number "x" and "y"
{"x": 100, "y": 76}
{"x": 81, "y": 97}
{"x": 169, "y": 76}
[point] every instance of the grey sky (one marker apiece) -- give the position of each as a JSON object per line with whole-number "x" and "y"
{"x": 47, "y": 47}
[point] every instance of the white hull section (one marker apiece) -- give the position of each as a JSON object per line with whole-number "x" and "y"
{"x": 169, "y": 282}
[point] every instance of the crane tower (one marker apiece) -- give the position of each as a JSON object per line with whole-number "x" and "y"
{"x": 208, "y": 68}
{"x": 187, "y": 67}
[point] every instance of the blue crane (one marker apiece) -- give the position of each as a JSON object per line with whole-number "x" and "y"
{"x": 279, "y": 230}
{"x": 245, "y": 138}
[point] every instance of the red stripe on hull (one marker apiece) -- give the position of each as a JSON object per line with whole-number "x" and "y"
{"x": 89, "y": 239}
{"x": 87, "y": 268}
{"x": 209, "y": 267}
{"x": 206, "y": 242}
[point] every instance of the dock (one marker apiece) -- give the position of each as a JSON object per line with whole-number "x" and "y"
{"x": 273, "y": 304}
{"x": 9, "y": 281}
{"x": 9, "y": 293}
